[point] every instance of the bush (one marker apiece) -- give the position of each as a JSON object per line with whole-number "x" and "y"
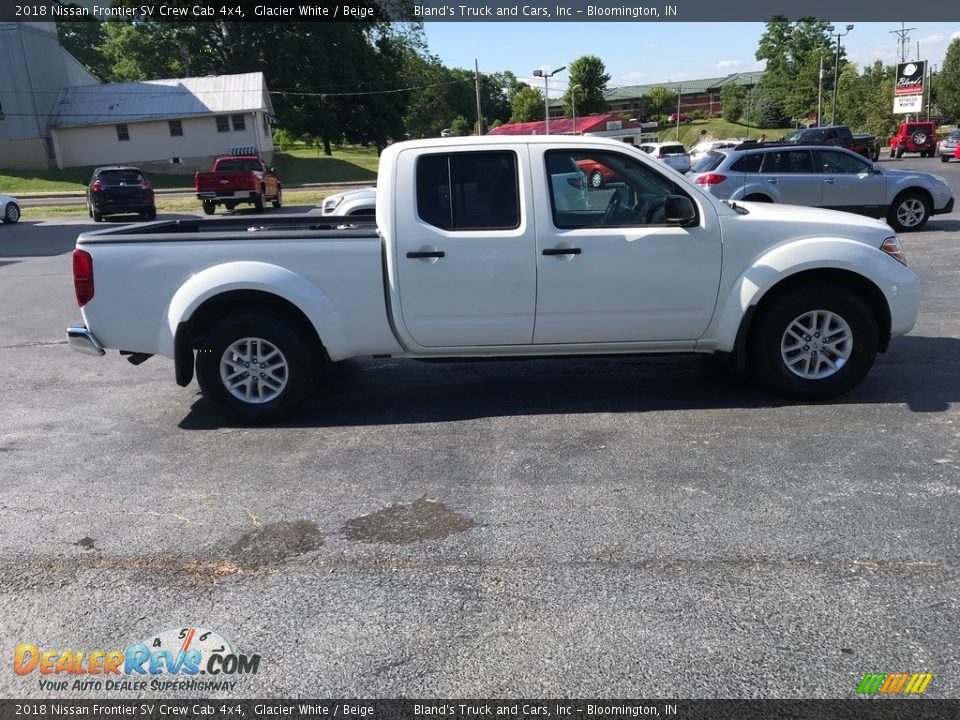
{"x": 700, "y": 115}
{"x": 283, "y": 140}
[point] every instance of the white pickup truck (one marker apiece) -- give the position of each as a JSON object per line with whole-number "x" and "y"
{"x": 492, "y": 247}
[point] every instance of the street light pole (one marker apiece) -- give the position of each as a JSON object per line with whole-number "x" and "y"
{"x": 573, "y": 102}
{"x": 546, "y": 95}
{"x": 820, "y": 94}
{"x": 836, "y": 73}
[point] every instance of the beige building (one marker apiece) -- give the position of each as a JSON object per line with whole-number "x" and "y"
{"x": 175, "y": 125}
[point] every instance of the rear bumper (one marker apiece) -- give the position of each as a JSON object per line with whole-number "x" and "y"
{"x": 221, "y": 195}
{"x": 83, "y": 341}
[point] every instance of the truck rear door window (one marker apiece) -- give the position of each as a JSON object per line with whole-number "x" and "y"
{"x": 469, "y": 191}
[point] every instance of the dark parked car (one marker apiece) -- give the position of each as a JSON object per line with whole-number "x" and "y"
{"x": 119, "y": 190}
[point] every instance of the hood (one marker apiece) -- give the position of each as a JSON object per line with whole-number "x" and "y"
{"x": 818, "y": 218}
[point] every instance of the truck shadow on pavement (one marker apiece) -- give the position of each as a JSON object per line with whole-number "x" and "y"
{"x": 919, "y": 372}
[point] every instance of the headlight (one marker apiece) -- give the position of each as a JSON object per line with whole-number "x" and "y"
{"x": 331, "y": 203}
{"x": 891, "y": 246}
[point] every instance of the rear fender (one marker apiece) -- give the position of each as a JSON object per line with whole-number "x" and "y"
{"x": 263, "y": 277}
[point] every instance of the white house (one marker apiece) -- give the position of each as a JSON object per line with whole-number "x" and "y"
{"x": 175, "y": 125}
{"x": 33, "y": 70}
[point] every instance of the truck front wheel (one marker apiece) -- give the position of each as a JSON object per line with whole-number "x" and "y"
{"x": 256, "y": 367}
{"x": 815, "y": 342}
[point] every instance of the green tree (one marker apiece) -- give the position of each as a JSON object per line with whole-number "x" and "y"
{"x": 661, "y": 100}
{"x": 793, "y": 52}
{"x": 733, "y": 99}
{"x": 461, "y": 126}
{"x": 82, "y": 39}
{"x": 948, "y": 82}
{"x": 589, "y": 76}
{"x": 527, "y": 105}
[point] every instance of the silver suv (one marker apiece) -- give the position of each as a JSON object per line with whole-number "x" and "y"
{"x": 827, "y": 177}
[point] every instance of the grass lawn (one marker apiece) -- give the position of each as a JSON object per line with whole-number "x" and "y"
{"x": 309, "y": 198}
{"x": 719, "y": 129}
{"x": 296, "y": 166}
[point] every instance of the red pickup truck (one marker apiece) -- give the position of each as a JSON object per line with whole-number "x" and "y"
{"x": 238, "y": 179}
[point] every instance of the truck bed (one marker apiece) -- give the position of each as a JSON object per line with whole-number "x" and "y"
{"x": 163, "y": 267}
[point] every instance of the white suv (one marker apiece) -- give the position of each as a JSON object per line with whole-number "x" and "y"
{"x": 671, "y": 153}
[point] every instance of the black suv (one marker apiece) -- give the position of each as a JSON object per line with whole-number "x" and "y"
{"x": 120, "y": 190}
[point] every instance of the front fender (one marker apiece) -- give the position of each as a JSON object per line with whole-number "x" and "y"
{"x": 899, "y": 285}
{"x": 247, "y": 275}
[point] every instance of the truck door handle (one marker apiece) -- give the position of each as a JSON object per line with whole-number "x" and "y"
{"x": 562, "y": 251}
{"x": 426, "y": 254}
{"x": 773, "y": 181}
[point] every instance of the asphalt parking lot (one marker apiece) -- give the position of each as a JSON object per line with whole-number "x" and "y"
{"x": 585, "y": 528}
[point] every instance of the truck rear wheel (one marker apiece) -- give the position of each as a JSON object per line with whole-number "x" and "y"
{"x": 256, "y": 367}
{"x": 209, "y": 208}
{"x": 258, "y": 202}
{"x": 278, "y": 200}
{"x": 814, "y": 343}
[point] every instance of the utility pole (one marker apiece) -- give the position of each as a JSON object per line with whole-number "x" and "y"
{"x": 820, "y": 94}
{"x": 836, "y": 72}
{"x": 903, "y": 40}
{"x": 679, "y": 93}
{"x": 476, "y": 82}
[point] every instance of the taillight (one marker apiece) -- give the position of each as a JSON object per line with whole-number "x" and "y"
{"x": 83, "y": 276}
{"x": 710, "y": 179}
{"x": 96, "y": 186}
{"x": 146, "y": 185}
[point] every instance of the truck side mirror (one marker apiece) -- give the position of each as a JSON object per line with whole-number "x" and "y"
{"x": 678, "y": 210}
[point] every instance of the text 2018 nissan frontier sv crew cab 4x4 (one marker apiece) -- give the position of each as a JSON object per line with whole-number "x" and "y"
{"x": 488, "y": 247}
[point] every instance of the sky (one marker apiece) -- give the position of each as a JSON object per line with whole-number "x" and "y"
{"x": 640, "y": 53}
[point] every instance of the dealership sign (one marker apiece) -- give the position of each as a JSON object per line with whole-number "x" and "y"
{"x": 910, "y": 77}
{"x": 908, "y": 91}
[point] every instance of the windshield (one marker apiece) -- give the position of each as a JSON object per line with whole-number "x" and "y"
{"x": 808, "y": 135}
{"x": 118, "y": 177}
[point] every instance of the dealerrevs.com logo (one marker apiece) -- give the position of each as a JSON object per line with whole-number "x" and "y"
{"x": 189, "y": 658}
{"x": 894, "y": 683}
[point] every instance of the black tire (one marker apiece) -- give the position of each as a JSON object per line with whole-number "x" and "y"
{"x": 11, "y": 213}
{"x": 899, "y": 153}
{"x": 944, "y": 158}
{"x": 596, "y": 179}
{"x": 209, "y": 208}
{"x": 230, "y": 206}
{"x": 278, "y": 200}
{"x": 299, "y": 379}
{"x": 893, "y": 153}
{"x": 97, "y": 216}
{"x": 769, "y": 333}
{"x": 258, "y": 203}
{"x": 152, "y": 214}
{"x": 910, "y": 211}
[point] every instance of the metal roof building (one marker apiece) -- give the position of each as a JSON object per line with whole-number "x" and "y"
{"x": 175, "y": 125}
{"x": 162, "y": 99}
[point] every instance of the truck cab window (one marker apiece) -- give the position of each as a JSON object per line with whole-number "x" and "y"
{"x": 592, "y": 188}
{"x": 469, "y": 191}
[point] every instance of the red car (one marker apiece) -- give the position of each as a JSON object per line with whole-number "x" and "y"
{"x": 682, "y": 118}
{"x": 597, "y": 173}
{"x": 915, "y": 137}
{"x": 238, "y": 179}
